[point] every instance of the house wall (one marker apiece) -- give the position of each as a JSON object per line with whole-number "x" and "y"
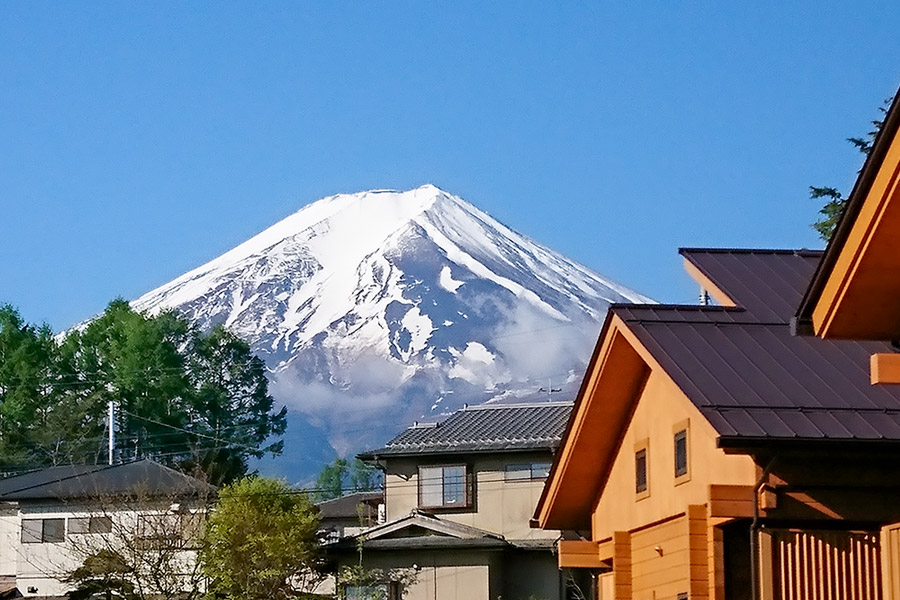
{"x": 9, "y": 539}
{"x": 659, "y": 409}
{"x": 440, "y": 575}
{"x": 529, "y": 574}
{"x": 41, "y": 567}
{"x": 500, "y": 506}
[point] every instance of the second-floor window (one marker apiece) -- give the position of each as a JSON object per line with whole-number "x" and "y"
{"x": 444, "y": 487}
{"x": 36, "y": 531}
{"x": 640, "y": 471}
{"x": 90, "y": 525}
{"x": 526, "y": 471}
{"x": 681, "y": 453}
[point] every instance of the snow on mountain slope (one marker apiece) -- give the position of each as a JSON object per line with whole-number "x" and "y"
{"x": 377, "y": 308}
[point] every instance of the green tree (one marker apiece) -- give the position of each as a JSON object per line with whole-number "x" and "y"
{"x": 27, "y": 373}
{"x": 330, "y": 481}
{"x": 342, "y": 475}
{"x": 835, "y": 201}
{"x": 261, "y": 542}
{"x": 193, "y": 400}
{"x": 363, "y": 477}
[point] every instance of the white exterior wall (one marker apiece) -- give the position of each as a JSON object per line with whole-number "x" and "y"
{"x": 9, "y": 539}
{"x": 41, "y": 567}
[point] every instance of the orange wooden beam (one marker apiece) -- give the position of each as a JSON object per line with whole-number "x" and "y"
{"x": 884, "y": 368}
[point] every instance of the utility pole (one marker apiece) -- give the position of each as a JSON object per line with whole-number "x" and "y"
{"x": 112, "y": 429}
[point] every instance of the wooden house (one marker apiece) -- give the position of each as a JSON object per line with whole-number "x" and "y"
{"x": 711, "y": 453}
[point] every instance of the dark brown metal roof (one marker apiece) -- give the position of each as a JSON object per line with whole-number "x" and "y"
{"x": 767, "y": 283}
{"x": 484, "y": 428}
{"x": 753, "y": 379}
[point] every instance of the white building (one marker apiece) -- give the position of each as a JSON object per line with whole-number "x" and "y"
{"x": 53, "y": 519}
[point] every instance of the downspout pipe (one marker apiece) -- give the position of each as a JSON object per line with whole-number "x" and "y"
{"x": 754, "y": 531}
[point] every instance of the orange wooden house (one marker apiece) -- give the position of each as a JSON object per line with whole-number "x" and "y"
{"x": 711, "y": 453}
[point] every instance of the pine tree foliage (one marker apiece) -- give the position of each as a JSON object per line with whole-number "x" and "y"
{"x": 835, "y": 202}
{"x": 192, "y": 400}
{"x": 342, "y": 476}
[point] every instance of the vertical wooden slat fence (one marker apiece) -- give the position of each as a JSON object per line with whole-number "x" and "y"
{"x": 826, "y": 565}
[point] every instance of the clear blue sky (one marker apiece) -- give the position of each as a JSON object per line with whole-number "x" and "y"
{"x": 140, "y": 139}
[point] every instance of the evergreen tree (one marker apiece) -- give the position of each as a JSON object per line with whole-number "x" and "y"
{"x": 192, "y": 400}
{"x": 835, "y": 202}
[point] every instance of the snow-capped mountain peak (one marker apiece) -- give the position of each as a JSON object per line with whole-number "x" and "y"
{"x": 393, "y": 303}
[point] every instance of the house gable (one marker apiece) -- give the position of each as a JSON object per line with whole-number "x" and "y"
{"x": 662, "y": 411}
{"x": 626, "y": 398}
{"x": 613, "y": 380}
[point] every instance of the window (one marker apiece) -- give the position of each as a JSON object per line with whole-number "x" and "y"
{"x": 79, "y": 525}
{"x": 527, "y": 471}
{"x": 443, "y": 487}
{"x": 681, "y": 453}
{"x": 36, "y": 531}
{"x": 642, "y": 469}
{"x": 681, "y": 443}
{"x": 682, "y": 596}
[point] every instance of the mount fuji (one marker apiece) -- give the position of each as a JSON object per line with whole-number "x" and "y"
{"x": 375, "y": 309}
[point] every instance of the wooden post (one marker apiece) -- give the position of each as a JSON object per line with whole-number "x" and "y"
{"x": 622, "y": 564}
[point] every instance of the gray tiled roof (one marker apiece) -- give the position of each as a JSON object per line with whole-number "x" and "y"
{"x": 484, "y": 428}
{"x": 93, "y": 481}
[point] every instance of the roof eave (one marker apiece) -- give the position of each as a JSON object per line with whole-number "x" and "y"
{"x": 797, "y": 445}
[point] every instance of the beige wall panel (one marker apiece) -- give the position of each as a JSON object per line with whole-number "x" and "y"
{"x": 501, "y": 506}
{"x": 661, "y": 406}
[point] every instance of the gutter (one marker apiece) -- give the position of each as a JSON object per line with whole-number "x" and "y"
{"x": 754, "y": 531}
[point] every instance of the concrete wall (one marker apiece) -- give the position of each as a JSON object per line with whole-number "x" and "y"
{"x": 500, "y": 506}
{"x": 662, "y": 408}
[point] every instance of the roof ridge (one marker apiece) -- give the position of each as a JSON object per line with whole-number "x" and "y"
{"x": 517, "y": 405}
{"x": 787, "y": 251}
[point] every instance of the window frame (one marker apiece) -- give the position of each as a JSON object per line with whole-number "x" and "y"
{"x": 681, "y": 427}
{"x": 46, "y": 530}
{"x": 534, "y": 474}
{"x": 467, "y": 492}
{"x": 95, "y": 525}
{"x": 642, "y": 448}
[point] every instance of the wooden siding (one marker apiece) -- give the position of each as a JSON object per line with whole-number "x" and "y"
{"x": 578, "y": 554}
{"x": 825, "y": 565}
{"x": 622, "y": 565}
{"x": 890, "y": 561}
{"x": 662, "y": 558}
